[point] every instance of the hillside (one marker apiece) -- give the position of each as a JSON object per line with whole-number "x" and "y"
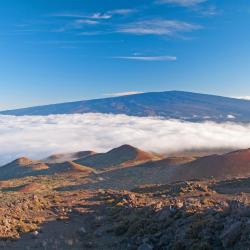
{"x": 230, "y": 165}
{"x": 149, "y": 172}
{"x": 127, "y": 166}
{"x": 24, "y": 167}
{"x": 169, "y": 104}
{"x": 124, "y": 155}
{"x": 81, "y": 162}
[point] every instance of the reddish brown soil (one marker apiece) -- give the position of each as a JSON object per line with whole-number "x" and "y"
{"x": 125, "y": 155}
{"x": 230, "y": 165}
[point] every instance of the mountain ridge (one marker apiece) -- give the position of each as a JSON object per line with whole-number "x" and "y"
{"x": 127, "y": 162}
{"x": 169, "y": 104}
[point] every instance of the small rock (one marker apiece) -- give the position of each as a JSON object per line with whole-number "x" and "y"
{"x": 69, "y": 242}
{"x": 35, "y": 234}
{"x": 179, "y": 204}
{"x": 44, "y": 243}
{"x": 82, "y": 231}
{"x": 101, "y": 191}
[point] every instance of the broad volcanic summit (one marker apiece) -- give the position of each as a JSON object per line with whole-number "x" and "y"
{"x": 169, "y": 105}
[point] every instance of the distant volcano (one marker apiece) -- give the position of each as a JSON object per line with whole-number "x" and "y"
{"x": 170, "y": 105}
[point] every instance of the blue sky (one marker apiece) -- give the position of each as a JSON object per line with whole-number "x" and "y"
{"x": 66, "y": 50}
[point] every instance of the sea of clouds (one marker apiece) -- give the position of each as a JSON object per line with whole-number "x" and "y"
{"x": 39, "y": 136}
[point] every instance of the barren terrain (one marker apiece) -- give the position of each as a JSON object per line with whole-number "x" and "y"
{"x": 126, "y": 199}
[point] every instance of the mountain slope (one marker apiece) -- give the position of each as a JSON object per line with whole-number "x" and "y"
{"x": 170, "y": 104}
{"x": 147, "y": 173}
{"x": 23, "y": 167}
{"x": 122, "y": 156}
{"x": 84, "y": 162}
{"x": 230, "y": 165}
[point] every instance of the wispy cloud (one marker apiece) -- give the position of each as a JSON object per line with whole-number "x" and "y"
{"x": 96, "y": 15}
{"x": 38, "y": 137}
{"x": 158, "y": 27}
{"x": 77, "y": 21}
{"x": 73, "y": 44}
{"x": 196, "y": 5}
{"x": 68, "y": 14}
{"x": 122, "y": 93}
{"x": 87, "y": 21}
{"x": 153, "y": 26}
{"x": 148, "y": 58}
{"x": 94, "y": 33}
{"x": 100, "y": 16}
{"x": 111, "y": 13}
{"x": 78, "y": 24}
{"x": 122, "y": 11}
{"x": 210, "y": 11}
{"x": 184, "y": 3}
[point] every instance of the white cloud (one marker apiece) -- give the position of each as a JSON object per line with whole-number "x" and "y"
{"x": 231, "y": 117}
{"x": 100, "y": 16}
{"x": 37, "y": 137}
{"x": 210, "y": 11}
{"x": 123, "y": 93}
{"x": 243, "y": 97}
{"x": 122, "y": 11}
{"x": 87, "y": 21}
{"x": 93, "y": 33}
{"x": 158, "y": 27}
{"x": 185, "y": 3}
{"x": 97, "y": 15}
{"x": 68, "y": 14}
{"x": 148, "y": 58}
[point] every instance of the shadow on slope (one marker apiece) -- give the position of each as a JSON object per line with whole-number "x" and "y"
{"x": 24, "y": 167}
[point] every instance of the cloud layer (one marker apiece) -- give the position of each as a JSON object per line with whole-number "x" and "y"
{"x": 38, "y": 137}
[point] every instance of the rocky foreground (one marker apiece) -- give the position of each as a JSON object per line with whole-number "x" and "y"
{"x": 183, "y": 215}
{"x": 126, "y": 199}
